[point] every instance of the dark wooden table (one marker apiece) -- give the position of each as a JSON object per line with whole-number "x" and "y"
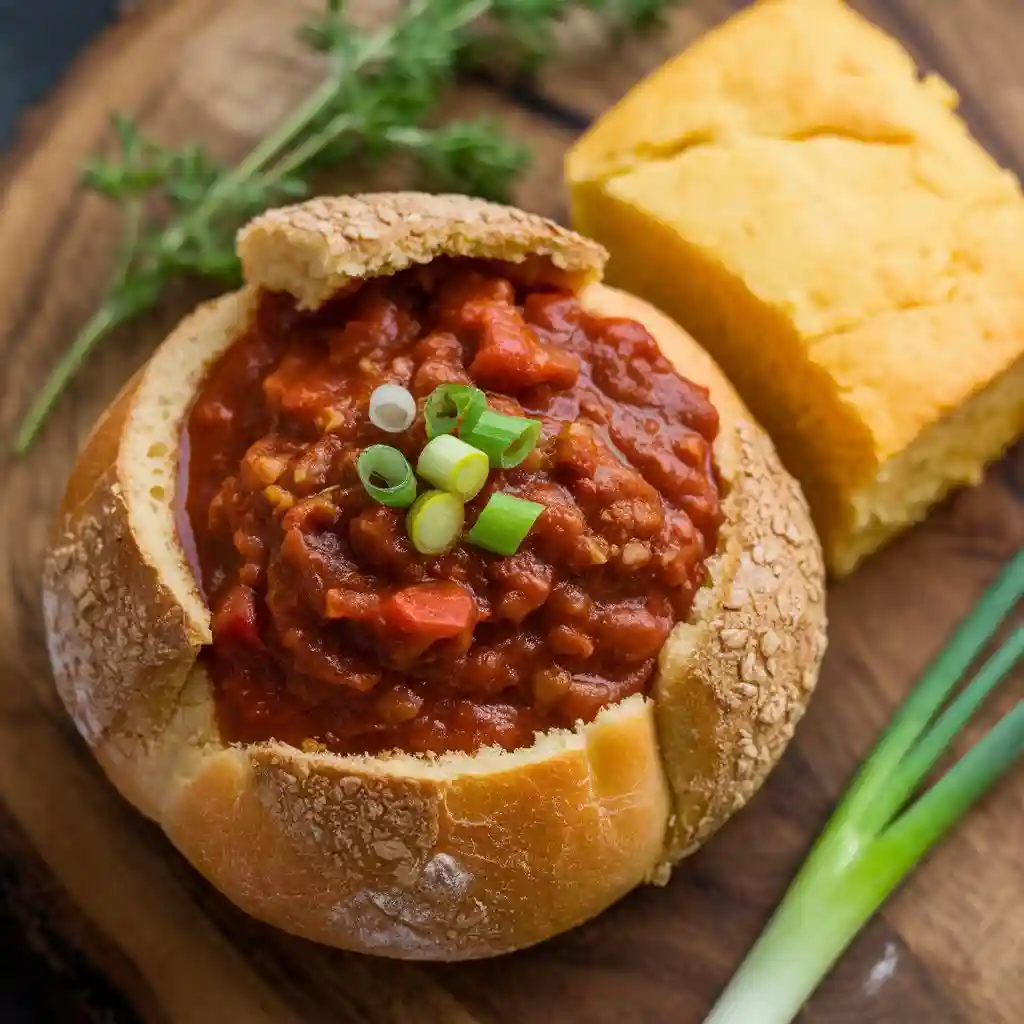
{"x": 129, "y": 932}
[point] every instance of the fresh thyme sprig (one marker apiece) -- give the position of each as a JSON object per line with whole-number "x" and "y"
{"x": 182, "y": 209}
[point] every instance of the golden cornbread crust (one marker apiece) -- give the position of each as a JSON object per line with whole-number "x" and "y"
{"x": 315, "y": 248}
{"x": 830, "y": 231}
{"x": 447, "y": 857}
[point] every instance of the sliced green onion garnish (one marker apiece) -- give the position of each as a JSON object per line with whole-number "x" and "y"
{"x": 434, "y": 522}
{"x": 454, "y": 466}
{"x": 392, "y": 408}
{"x": 387, "y": 476}
{"x": 505, "y": 440}
{"x": 504, "y": 523}
{"x": 880, "y": 831}
{"x": 453, "y": 405}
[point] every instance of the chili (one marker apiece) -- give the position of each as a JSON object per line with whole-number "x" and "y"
{"x": 329, "y": 628}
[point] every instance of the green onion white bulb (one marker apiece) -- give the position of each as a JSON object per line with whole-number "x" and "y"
{"x": 392, "y": 408}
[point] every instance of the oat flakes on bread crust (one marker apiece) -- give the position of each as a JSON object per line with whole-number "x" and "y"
{"x": 749, "y": 658}
{"x": 442, "y": 858}
{"x": 314, "y": 248}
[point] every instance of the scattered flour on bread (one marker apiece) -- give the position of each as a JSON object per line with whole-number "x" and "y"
{"x": 435, "y": 908}
{"x": 882, "y": 971}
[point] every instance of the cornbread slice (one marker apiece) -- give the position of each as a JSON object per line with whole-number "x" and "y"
{"x": 826, "y": 226}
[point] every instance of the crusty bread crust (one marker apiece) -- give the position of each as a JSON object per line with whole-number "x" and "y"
{"x": 444, "y": 857}
{"x": 314, "y": 249}
{"x": 424, "y": 858}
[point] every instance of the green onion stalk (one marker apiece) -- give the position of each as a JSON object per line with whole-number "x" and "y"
{"x": 387, "y": 476}
{"x": 504, "y": 522}
{"x": 454, "y": 466}
{"x": 878, "y": 833}
{"x": 451, "y": 407}
{"x": 506, "y": 440}
{"x": 435, "y": 522}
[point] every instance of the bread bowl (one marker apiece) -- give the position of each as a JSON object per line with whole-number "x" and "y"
{"x": 432, "y": 853}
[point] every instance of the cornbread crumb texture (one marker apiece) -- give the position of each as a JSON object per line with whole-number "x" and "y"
{"x": 837, "y": 239}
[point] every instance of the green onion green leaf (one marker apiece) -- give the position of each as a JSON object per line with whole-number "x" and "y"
{"x": 387, "y": 476}
{"x": 504, "y": 523}
{"x": 452, "y": 406}
{"x": 434, "y": 523}
{"x": 505, "y": 440}
{"x": 454, "y": 466}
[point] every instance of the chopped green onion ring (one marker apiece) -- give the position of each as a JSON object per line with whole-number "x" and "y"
{"x": 505, "y": 440}
{"x": 392, "y": 408}
{"x": 504, "y": 523}
{"x": 381, "y": 462}
{"x": 454, "y": 466}
{"x": 434, "y": 523}
{"x": 452, "y": 406}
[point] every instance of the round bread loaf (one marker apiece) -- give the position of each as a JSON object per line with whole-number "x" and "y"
{"x": 434, "y": 857}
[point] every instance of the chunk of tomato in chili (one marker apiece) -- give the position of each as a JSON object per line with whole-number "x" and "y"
{"x": 511, "y": 357}
{"x": 235, "y": 621}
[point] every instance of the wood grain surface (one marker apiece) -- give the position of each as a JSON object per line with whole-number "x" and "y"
{"x": 133, "y": 934}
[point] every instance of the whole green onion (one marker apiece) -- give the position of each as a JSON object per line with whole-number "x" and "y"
{"x": 452, "y": 406}
{"x": 880, "y": 831}
{"x": 454, "y": 466}
{"x": 381, "y": 462}
{"x": 434, "y": 523}
{"x": 504, "y": 523}
{"x": 505, "y": 440}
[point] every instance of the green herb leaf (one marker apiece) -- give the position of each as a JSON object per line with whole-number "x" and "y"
{"x": 380, "y": 88}
{"x": 466, "y": 156}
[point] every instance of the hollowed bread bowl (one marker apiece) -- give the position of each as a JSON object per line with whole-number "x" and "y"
{"x": 445, "y": 857}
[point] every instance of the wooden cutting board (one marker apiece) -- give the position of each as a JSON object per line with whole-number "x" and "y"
{"x": 133, "y": 933}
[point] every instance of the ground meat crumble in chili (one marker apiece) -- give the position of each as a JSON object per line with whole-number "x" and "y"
{"x": 329, "y": 628}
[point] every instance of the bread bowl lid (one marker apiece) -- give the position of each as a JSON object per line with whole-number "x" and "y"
{"x": 313, "y": 249}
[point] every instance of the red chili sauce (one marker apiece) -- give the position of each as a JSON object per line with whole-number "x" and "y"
{"x": 329, "y": 628}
